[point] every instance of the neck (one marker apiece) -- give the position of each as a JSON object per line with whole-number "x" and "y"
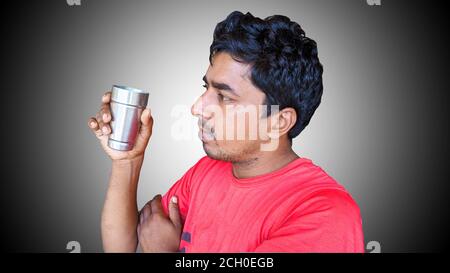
{"x": 264, "y": 162}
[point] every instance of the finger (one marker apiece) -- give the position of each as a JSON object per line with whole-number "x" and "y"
{"x": 174, "y": 212}
{"x": 92, "y": 123}
{"x": 146, "y": 211}
{"x": 105, "y": 113}
{"x": 95, "y": 127}
{"x": 156, "y": 204}
{"x": 106, "y": 98}
{"x": 104, "y": 128}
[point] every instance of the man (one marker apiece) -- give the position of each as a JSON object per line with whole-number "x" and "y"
{"x": 252, "y": 192}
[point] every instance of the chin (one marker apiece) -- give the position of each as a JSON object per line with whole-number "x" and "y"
{"x": 210, "y": 152}
{"x": 216, "y": 153}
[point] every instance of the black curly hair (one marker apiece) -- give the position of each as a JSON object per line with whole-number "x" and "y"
{"x": 284, "y": 62}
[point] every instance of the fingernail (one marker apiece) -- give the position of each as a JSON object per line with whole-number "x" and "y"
{"x": 174, "y": 199}
{"x": 105, "y": 116}
{"x": 105, "y": 130}
{"x": 92, "y": 124}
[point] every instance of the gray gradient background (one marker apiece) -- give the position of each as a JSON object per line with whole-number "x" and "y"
{"x": 381, "y": 130}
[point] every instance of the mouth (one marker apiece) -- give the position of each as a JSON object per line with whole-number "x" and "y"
{"x": 205, "y": 134}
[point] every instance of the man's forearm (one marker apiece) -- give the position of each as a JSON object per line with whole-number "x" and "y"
{"x": 120, "y": 213}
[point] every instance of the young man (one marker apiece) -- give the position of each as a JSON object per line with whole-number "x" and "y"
{"x": 252, "y": 192}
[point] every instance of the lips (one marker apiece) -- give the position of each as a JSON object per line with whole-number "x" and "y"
{"x": 205, "y": 134}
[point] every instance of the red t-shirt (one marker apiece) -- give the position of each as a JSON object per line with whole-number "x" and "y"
{"x": 298, "y": 208}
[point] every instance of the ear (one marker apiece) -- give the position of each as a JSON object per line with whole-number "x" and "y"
{"x": 282, "y": 122}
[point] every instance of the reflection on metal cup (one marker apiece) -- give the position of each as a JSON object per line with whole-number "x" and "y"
{"x": 126, "y": 105}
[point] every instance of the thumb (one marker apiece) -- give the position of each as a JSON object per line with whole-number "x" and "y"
{"x": 174, "y": 212}
{"x": 145, "y": 131}
{"x": 146, "y": 122}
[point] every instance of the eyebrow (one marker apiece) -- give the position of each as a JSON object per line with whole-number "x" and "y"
{"x": 221, "y": 86}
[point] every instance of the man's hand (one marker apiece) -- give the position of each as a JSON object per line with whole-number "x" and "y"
{"x": 101, "y": 127}
{"x": 158, "y": 232}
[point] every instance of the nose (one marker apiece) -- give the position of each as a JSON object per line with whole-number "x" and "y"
{"x": 199, "y": 108}
{"x": 196, "y": 108}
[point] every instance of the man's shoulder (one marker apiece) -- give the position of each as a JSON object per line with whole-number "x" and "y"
{"x": 310, "y": 181}
{"x": 318, "y": 186}
{"x": 307, "y": 174}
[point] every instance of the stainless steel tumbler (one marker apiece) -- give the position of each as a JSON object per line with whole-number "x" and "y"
{"x": 126, "y": 105}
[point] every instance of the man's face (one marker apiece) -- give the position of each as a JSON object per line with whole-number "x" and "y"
{"x": 231, "y": 123}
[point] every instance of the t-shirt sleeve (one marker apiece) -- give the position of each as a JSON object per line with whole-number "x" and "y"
{"x": 182, "y": 189}
{"x": 328, "y": 221}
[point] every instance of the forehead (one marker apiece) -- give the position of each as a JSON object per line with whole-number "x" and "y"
{"x": 225, "y": 69}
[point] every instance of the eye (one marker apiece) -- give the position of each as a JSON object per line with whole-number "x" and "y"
{"x": 224, "y": 99}
{"x": 205, "y": 86}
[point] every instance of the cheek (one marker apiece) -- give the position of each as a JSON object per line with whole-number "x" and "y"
{"x": 239, "y": 126}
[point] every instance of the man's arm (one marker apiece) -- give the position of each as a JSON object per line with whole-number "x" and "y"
{"x": 120, "y": 214}
{"x": 157, "y": 231}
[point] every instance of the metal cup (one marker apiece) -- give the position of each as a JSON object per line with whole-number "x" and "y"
{"x": 127, "y": 104}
